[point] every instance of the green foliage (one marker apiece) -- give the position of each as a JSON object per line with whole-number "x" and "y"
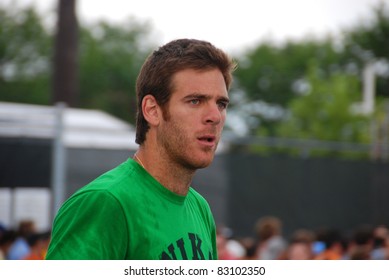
{"x": 321, "y": 121}
{"x": 268, "y": 72}
{"x": 24, "y": 56}
{"x": 372, "y": 37}
{"x": 370, "y": 40}
{"x": 325, "y": 113}
{"x": 276, "y": 74}
{"x": 273, "y": 73}
{"x": 110, "y": 59}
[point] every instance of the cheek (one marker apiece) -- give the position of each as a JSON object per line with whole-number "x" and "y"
{"x": 187, "y": 122}
{"x": 178, "y": 132}
{"x": 224, "y": 116}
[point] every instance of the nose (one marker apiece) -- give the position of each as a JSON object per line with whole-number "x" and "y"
{"x": 213, "y": 114}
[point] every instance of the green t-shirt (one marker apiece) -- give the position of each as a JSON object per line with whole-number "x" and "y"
{"x": 127, "y": 214}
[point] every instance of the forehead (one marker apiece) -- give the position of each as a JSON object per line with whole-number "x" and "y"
{"x": 210, "y": 81}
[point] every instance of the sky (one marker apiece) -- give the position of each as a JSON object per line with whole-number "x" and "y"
{"x": 230, "y": 25}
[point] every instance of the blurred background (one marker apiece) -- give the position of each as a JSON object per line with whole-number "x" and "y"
{"x": 307, "y": 134}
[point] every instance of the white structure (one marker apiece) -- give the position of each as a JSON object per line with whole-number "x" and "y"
{"x": 82, "y": 127}
{"x": 67, "y": 129}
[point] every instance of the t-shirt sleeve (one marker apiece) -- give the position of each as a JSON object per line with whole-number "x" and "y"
{"x": 89, "y": 226}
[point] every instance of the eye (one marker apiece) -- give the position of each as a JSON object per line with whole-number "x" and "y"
{"x": 194, "y": 101}
{"x": 223, "y": 105}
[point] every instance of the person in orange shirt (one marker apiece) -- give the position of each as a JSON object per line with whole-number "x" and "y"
{"x": 334, "y": 249}
{"x": 39, "y": 243}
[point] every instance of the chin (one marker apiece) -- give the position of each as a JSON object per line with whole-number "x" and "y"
{"x": 198, "y": 164}
{"x": 204, "y": 165}
{"x": 205, "y": 162}
{"x": 199, "y": 160}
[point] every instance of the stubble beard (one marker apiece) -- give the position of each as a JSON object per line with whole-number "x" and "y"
{"x": 175, "y": 142}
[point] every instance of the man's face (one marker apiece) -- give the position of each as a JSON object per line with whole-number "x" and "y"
{"x": 195, "y": 116}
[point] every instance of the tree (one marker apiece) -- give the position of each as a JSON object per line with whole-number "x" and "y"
{"x": 65, "y": 61}
{"x": 325, "y": 111}
{"x": 25, "y": 52}
{"x": 370, "y": 41}
{"x": 275, "y": 73}
{"x": 110, "y": 59}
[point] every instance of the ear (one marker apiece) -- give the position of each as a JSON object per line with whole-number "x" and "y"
{"x": 151, "y": 110}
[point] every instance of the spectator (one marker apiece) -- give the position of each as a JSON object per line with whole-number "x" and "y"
{"x": 7, "y": 238}
{"x": 299, "y": 250}
{"x": 38, "y": 243}
{"x": 361, "y": 243}
{"x": 222, "y": 238}
{"x": 20, "y": 247}
{"x": 333, "y": 241}
{"x": 380, "y": 243}
{"x": 250, "y": 247}
{"x": 300, "y": 245}
{"x": 271, "y": 244}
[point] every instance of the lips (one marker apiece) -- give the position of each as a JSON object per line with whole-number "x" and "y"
{"x": 208, "y": 140}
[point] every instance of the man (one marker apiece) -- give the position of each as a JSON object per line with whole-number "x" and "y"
{"x": 145, "y": 208}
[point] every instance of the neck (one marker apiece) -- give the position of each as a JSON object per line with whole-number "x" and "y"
{"x": 169, "y": 174}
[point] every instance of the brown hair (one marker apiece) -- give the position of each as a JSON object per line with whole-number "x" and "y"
{"x": 267, "y": 227}
{"x": 156, "y": 74}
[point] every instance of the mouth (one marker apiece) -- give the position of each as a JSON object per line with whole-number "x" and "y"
{"x": 208, "y": 140}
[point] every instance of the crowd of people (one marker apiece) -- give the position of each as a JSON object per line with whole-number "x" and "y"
{"x": 268, "y": 243}
{"x": 24, "y": 243}
{"x": 363, "y": 243}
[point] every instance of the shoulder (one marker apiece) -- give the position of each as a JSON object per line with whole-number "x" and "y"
{"x": 113, "y": 182}
{"x": 89, "y": 203}
{"x": 201, "y": 203}
{"x": 197, "y": 197}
